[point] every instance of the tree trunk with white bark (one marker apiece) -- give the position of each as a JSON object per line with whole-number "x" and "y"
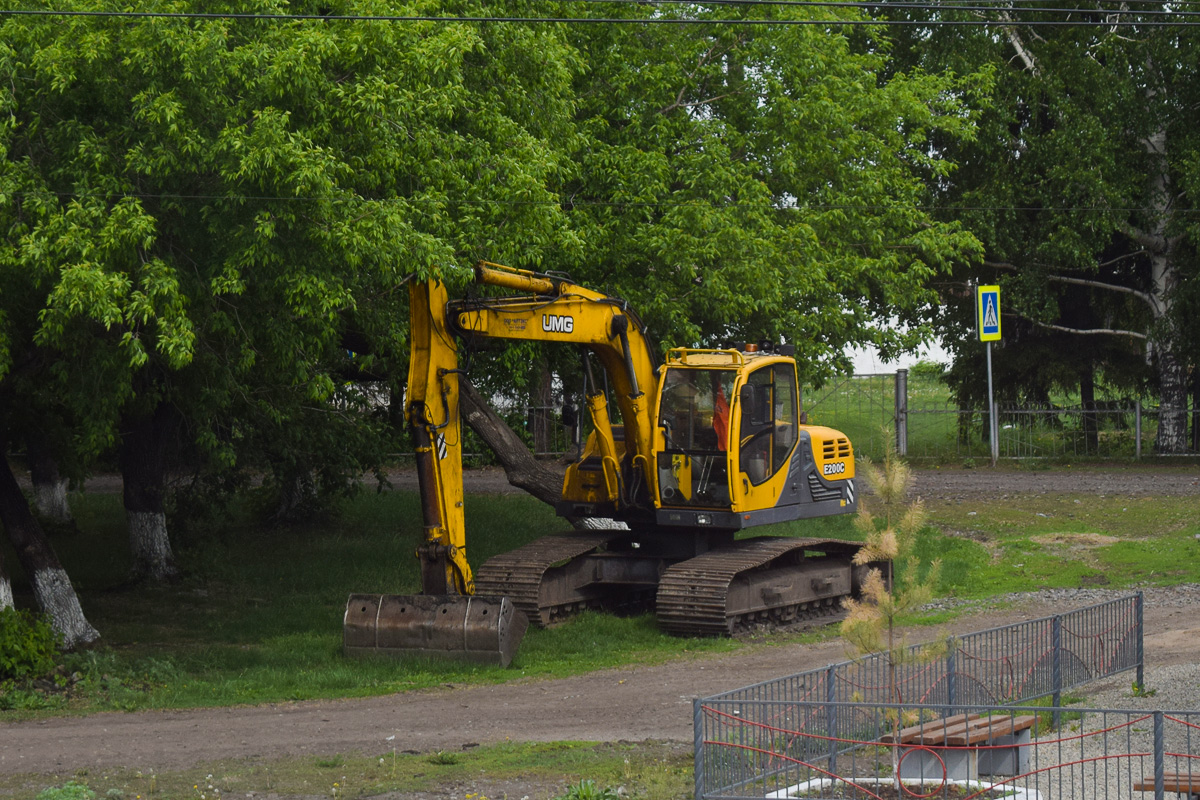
{"x": 145, "y": 445}
{"x": 6, "y": 595}
{"x": 51, "y": 586}
{"x": 49, "y": 487}
{"x": 1172, "y": 403}
{"x": 1164, "y": 276}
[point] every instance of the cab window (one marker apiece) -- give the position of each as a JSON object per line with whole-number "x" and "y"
{"x": 694, "y": 414}
{"x": 768, "y": 421}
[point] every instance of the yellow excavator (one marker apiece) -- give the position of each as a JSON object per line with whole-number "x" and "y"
{"x": 710, "y": 443}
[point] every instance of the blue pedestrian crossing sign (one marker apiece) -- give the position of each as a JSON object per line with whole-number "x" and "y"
{"x": 988, "y": 313}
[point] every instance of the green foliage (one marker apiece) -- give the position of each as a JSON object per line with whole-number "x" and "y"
{"x": 764, "y": 186}
{"x": 1080, "y": 185}
{"x": 70, "y": 790}
{"x": 898, "y": 582}
{"x": 927, "y": 370}
{"x": 28, "y": 645}
{"x": 211, "y": 214}
{"x": 588, "y": 789}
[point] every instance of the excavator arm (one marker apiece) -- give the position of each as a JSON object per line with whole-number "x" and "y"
{"x": 550, "y": 309}
{"x": 431, "y": 411}
{"x": 447, "y": 619}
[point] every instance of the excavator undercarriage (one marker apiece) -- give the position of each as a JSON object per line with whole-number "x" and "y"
{"x": 735, "y": 587}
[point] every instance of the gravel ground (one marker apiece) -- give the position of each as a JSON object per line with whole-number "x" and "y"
{"x": 1103, "y": 753}
{"x": 1187, "y": 594}
{"x": 1104, "y": 746}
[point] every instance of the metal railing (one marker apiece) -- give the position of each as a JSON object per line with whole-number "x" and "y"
{"x": 761, "y": 735}
{"x": 774, "y": 750}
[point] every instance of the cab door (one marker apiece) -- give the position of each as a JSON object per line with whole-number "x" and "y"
{"x": 766, "y": 423}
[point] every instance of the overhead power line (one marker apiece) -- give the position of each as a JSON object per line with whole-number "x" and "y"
{"x": 906, "y": 5}
{"x": 1116, "y": 17}
{"x": 492, "y": 201}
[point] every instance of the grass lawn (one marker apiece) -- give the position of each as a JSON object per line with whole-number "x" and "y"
{"x": 258, "y": 617}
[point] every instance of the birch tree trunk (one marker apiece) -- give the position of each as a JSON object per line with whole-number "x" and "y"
{"x": 145, "y": 443}
{"x": 1164, "y": 276}
{"x": 49, "y": 487}
{"x": 1172, "y": 402}
{"x": 51, "y": 586}
{"x": 6, "y": 595}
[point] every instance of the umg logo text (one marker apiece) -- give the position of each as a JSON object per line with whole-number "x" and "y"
{"x": 557, "y": 324}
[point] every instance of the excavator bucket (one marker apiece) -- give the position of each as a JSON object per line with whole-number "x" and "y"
{"x": 485, "y": 630}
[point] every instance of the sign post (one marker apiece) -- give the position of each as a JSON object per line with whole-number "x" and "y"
{"x": 987, "y": 315}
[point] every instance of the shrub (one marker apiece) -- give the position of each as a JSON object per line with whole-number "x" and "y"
{"x": 68, "y": 791}
{"x": 28, "y": 645}
{"x": 588, "y": 790}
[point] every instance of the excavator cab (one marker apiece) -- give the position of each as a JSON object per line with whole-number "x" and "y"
{"x": 731, "y": 443}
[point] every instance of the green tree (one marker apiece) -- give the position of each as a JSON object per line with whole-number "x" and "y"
{"x": 1081, "y": 184}
{"x": 200, "y": 214}
{"x": 739, "y": 182}
{"x": 900, "y": 585}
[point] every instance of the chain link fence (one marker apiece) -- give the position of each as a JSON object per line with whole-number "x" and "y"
{"x": 918, "y": 411}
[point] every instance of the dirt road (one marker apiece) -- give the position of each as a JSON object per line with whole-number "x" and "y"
{"x": 621, "y": 704}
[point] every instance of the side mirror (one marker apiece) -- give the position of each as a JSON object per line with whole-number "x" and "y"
{"x": 754, "y": 405}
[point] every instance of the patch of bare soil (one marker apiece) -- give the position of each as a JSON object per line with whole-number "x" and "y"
{"x": 646, "y": 703}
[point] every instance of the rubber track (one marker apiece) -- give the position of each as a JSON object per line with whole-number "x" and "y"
{"x": 518, "y": 574}
{"x": 692, "y": 594}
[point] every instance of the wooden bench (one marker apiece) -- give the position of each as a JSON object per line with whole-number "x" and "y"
{"x": 1178, "y": 782}
{"x": 964, "y": 746}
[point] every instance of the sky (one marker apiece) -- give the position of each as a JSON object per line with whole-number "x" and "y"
{"x": 867, "y": 362}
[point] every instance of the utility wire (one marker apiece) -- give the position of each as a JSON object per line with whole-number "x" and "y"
{"x": 903, "y": 5}
{"x": 864, "y": 6}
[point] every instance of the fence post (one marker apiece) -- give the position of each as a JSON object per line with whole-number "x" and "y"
{"x": 1056, "y": 642}
{"x": 1158, "y": 755}
{"x": 1139, "y": 610}
{"x": 831, "y": 717}
{"x": 1137, "y": 428}
{"x": 951, "y": 669}
{"x": 902, "y": 412}
{"x": 698, "y": 749}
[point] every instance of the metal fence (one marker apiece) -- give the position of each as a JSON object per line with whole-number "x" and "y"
{"x": 827, "y": 723}
{"x": 782, "y": 752}
{"x": 927, "y": 425}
